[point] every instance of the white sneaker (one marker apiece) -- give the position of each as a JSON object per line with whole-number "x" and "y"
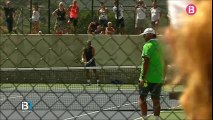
{"x": 88, "y": 82}
{"x": 98, "y": 83}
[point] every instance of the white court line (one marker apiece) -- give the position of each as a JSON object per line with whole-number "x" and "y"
{"x": 160, "y": 111}
{"x": 124, "y": 89}
{"x": 11, "y": 98}
{"x": 100, "y": 111}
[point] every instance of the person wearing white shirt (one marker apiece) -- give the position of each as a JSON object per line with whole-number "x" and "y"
{"x": 119, "y": 16}
{"x": 35, "y": 20}
{"x": 155, "y": 16}
{"x": 103, "y": 15}
{"x": 140, "y": 10}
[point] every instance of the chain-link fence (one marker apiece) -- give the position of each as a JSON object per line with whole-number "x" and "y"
{"x": 42, "y": 78}
{"x": 88, "y": 13}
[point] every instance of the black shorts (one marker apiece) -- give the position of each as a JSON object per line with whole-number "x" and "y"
{"x": 153, "y": 88}
{"x": 120, "y": 23}
{"x": 92, "y": 64}
{"x": 103, "y": 23}
{"x": 74, "y": 21}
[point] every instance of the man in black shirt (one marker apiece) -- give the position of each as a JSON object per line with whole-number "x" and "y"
{"x": 88, "y": 54}
{"x": 9, "y": 15}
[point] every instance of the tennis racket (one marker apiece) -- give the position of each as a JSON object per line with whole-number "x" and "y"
{"x": 87, "y": 63}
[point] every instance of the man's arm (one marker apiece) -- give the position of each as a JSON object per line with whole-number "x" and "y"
{"x": 93, "y": 52}
{"x": 165, "y": 70}
{"x": 68, "y": 9}
{"x": 150, "y": 14}
{"x": 77, "y": 9}
{"x": 107, "y": 11}
{"x": 1, "y": 7}
{"x": 114, "y": 9}
{"x": 54, "y": 13}
{"x": 145, "y": 66}
{"x": 135, "y": 12}
{"x": 160, "y": 13}
{"x": 83, "y": 57}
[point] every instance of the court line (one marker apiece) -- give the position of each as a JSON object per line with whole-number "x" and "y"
{"x": 100, "y": 111}
{"x": 11, "y": 98}
{"x": 160, "y": 111}
{"x": 89, "y": 88}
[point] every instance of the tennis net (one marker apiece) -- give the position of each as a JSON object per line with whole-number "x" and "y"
{"x": 66, "y": 88}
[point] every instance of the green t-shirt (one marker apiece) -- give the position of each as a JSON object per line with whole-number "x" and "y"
{"x": 153, "y": 50}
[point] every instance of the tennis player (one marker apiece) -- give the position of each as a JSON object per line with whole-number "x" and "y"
{"x": 152, "y": 73}
{"x": 88, "y": 59}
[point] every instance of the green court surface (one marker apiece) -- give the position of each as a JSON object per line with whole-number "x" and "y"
{"x": 83, "y": 102}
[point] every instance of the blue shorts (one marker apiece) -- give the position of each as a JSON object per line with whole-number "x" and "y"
{"x": 153, "y": 88}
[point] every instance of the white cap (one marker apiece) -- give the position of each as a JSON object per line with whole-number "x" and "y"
{"x": 148, "y": 30}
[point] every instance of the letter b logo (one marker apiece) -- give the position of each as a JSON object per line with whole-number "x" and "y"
{"x": 26, "y": 106}
{"x": 191, "y": 9}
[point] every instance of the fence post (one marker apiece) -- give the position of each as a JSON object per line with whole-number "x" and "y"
{"x": 31, "y": 2}
{"x": 49, "y": 15}
{"x": 22, "y": 19}
{"x": 92, "y": 8}
{"x": 117, "y": 5}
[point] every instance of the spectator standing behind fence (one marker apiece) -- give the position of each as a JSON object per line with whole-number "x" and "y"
{"x": 73, "y": 11}
{"x": 9, "y": 12}
{"x": 109, "y": 29}
{"x": 88, "y": 59}
{"x": 152, "y": 73}
{"x": 140, "y": 10}
{"x": 118, "y": 10}
{"x": 190, "y": 40}
{"x": 155, "y": 14}
{"x": 35, "y": 19}
{"x": 60, "y": 14}
{"x": 103, "y": 15}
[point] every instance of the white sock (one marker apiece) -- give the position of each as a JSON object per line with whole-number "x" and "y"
{"x": 88, "y": 81}
{"x": 157, "y": 118}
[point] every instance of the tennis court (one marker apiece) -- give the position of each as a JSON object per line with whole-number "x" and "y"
{"x": 79, "y": 101}
{"x": 62, "y": 94}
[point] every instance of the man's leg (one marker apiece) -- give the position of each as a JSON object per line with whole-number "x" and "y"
{"x": 10, "y": 25}
{"x": 156, "y": 26}
{"x": 96, "y": 77}
{"x": 155, "y": 95}
{"x": 156, "y": 107}
{"x": 75, "y": 24}
{"x": 88, "y": 77}
{"x": 122, "y": 26}
{"x": 153, "y": 25}
{"x": 143, "y": 106}
{"x": 143, "y": 91}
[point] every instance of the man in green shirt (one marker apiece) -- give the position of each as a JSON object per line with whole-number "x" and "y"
{"x": 152, "y": 72}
